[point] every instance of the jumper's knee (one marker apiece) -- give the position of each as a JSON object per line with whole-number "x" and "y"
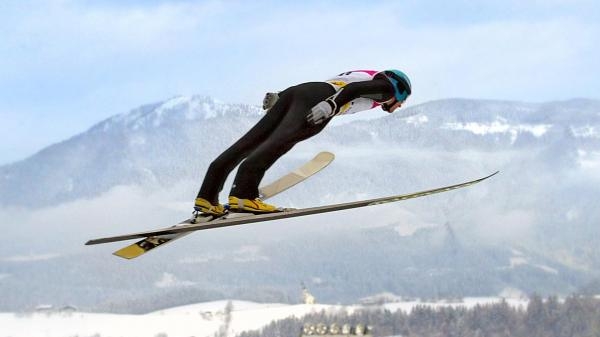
{"x": 223, "y": 163}
{"x": 253, "y": 164}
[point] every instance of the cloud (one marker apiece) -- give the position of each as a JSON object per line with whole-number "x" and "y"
{"x": 502, "y": 60}
{"x": 30, "y": 257}
{"x": 170, "y": 281}
{"x": 249, "y": 253}
{"x": 56, "y": 29}
{"x": 63, "y": 229}
{"x": 496, "y": 225}
{"x": 213, "y": 38}
{"x": 204, "y": 258}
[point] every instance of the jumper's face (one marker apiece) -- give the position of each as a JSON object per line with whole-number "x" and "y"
{"x": 393, "y": 104}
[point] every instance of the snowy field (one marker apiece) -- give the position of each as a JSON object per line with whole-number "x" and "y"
{"x": 199, "y": 320}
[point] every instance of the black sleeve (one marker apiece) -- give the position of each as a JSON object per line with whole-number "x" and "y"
{"x": 378, "y": 90}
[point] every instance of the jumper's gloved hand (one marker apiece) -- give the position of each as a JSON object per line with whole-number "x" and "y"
{"x": 270, "y": 100}
{"x": 322, "y": 111}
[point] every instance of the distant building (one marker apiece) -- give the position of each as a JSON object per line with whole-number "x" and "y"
{"x": 336, "y": 330}
{"x": 380, "y": 299}
{"x": 51, "y": 309}
{"x": 68, "y": 309}
{"x": 307, "y": 298}
{"x": 44, "y": 308}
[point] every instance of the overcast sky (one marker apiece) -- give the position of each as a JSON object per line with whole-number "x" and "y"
{"x": 65, "y": 65}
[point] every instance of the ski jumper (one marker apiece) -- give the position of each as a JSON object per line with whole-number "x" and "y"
{"x": 285, "y": 125}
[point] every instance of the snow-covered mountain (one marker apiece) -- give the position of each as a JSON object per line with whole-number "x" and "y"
{"x": 531, "y": 228}
{"x": 173, "y": 141}
{"x": 154, "y": 144}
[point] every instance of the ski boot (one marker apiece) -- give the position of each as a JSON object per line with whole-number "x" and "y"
{"x": 204, "y": 207}
{"x": 255, "y": 206}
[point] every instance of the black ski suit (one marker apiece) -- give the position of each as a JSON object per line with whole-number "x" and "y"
{"x": 277, "y": 132}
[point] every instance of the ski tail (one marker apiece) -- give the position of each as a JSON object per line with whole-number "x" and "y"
{"x": 319, "y": 162}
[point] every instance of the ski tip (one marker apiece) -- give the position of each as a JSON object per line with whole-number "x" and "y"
{"x": 488, "y": 176}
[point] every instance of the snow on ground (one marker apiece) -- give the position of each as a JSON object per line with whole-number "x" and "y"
{"x": 500, "y": 126}
{"x": 193, "y": 320}
{"x": 467, "y": 302}
{"x": 198, "y": 320}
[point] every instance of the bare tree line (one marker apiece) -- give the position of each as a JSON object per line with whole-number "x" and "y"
{"x": 575, "y": 316}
